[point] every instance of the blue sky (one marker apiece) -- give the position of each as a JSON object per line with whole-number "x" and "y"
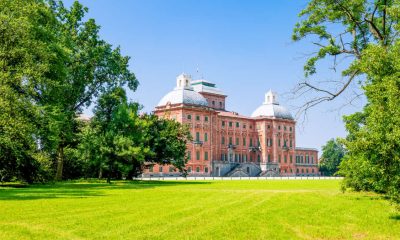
{"x": 243, "y": 46}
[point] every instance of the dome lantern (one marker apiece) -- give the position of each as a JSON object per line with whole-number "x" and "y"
{"x": 183, "y": 81}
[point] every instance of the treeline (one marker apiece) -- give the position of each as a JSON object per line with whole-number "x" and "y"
{"x": 53, "y": 65}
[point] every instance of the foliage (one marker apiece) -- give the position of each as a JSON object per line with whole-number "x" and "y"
{"x": 167, "y": 140}
{"x": 332, "y": 155}
{"x": 118, "y": 142}
{"x": 29, "y": 58}
{"x": 52, "y": 65}
{"x": 92, "y": 68}
{"x": 367, "y": 32}
{"x": 374, "y": 136}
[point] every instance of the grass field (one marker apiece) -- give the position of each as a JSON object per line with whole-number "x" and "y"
{"x": 291, "y": 209}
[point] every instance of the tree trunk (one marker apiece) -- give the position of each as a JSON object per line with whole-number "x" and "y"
{"x": 60, "y": 162}
{"x": 100, "y": 173}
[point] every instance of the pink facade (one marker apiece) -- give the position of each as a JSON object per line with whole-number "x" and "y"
{"x": 228, "y": 144}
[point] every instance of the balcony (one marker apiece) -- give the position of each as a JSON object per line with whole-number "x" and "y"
{"x": 231, "y": 146}
{"x": 254, "y": 149}
{"x": 198, "y": 143}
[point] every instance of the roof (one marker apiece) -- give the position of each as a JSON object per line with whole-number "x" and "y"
{"x": 272, "y": 110}
{"x": 202, "y": 85}
{"x": 232, "y": 114}
{"x": 306, "y": 149}
{"x": 183, "y": 96}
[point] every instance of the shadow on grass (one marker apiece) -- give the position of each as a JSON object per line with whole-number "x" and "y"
{"x": 395, "y": 217}
{"x": 81, "y": 189}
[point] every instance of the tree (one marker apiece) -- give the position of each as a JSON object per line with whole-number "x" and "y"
{"x": 118, "y": 142}
{"x": 368, "y": 33}
{"x": 92, "y": 68}
{"x": 115, "y": 137}
{"x": 30, "y": 57}
{"x": 332, "y": 155}
{"x": 167, "y": 140}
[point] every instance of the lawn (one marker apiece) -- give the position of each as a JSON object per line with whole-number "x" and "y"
{"x": 273, "y": 209}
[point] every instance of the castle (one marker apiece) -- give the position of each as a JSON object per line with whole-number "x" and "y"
{"x": 228, "y": 144}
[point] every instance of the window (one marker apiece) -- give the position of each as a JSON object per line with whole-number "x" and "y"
{"x": 279, "y": 158}
{"x": 160, "y": 169}
{"x": 244, "y": 126}
{"x": 220, "y": 104}
{"x": 237, "y": 141}
{"x": 248, "y": 169}
{"x": 222, "y": 157}
{"x": 222, "y": 140}
{"x": 312, "y": 159}
{"x": 206, "y": 169}
{"x": 189, "y": 116}
{"x": 237, "y": 124}
{"x": 223, "y": 123}
{"x": 291, "y": 143}
{"x": 290, "y": 129}
{"x": 258, "y": 142}
{"x": 268, "y": 126}
{"x": 197, "y": 155}
{"x": 312, "y": 170}
{"x": 284, "y": 128}
{"x": 258, "y": 158}
{"x": 251, "y": 142}
{"x": 230, "y": 141}
{"x": 206, "y": 118}
{"x": 302, "y": 170}
{"x": 151, "y": 169}
{"x": 285, "y": 159}
{"x": 171, "y": 169}
{"x": 244, "y": 141}
{"x": 197, "y": 136}
{"x": 190, "y": 169}
{"x": 307, "y": 170}
{"x": 236, "y": 157}
{"x": 197, "y": 118}
{"x": 251, "y": 126}
{"x": 213, "y": 103}
{"x": 230, "y": 124}
{"x": 205, "y": 155}
{"x": 269, "y": 157}
{"x": 251, "y": 158}
{"x": 189, "y": 155}
{"x": 197, "y": 169}
{"x": 279, "y": 127}
{"x": 291, "y": 159}
{"x": 205, "y": 137}
{"x": 297, "y": 170}
{"x": 279, "y": 142}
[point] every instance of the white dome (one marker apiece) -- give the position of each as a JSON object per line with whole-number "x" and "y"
{"x": 183, "y": 96}
{"x": 271, "y": 108}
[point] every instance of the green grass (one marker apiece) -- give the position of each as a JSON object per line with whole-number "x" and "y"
{"x": 309, "y": 209}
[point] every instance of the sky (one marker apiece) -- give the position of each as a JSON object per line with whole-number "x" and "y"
{"x": 244, "y": 47}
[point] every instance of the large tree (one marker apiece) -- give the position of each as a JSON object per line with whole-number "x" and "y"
{"x": 30, "y": 58}
{"x": 93, "y": 66}
{"x": 367, "y": 34}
